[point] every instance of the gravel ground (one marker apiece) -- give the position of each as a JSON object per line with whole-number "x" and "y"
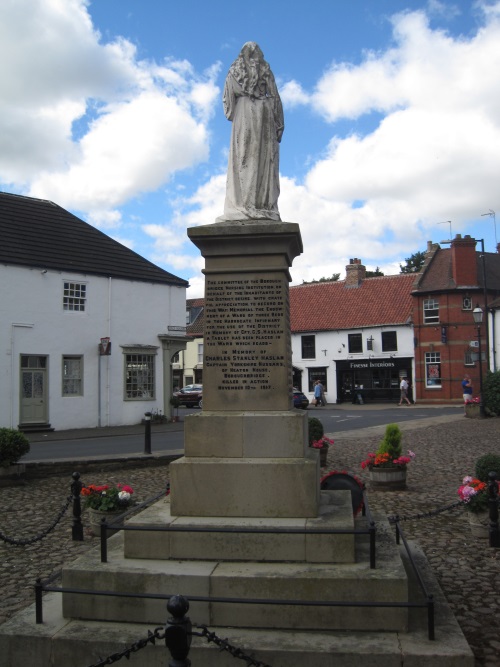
{"x": 467, "y": 568}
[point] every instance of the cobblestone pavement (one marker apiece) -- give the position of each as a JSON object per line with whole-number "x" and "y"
{"x": 467, "y": 569}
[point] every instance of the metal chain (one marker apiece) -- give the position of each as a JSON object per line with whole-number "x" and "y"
{"x": 425, "y": 515}
{"x": 158, "y": 633}
{"x": 40, "y": 536}
{"x": 224, "y": 645}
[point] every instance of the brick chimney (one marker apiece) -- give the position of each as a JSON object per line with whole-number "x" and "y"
{"x": 463, "y": 261}
{"x": 355, "y": 273}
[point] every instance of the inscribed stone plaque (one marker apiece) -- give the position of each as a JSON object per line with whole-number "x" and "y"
{"x": 247, "y": 351}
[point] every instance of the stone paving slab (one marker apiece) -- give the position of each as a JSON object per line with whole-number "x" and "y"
{"x": 466, "y": 568}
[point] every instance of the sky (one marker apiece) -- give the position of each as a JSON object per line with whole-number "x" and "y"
{"x": 113, "y": 110}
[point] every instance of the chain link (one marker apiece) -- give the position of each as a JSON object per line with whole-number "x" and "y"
{"x": 40, "y": 536}
{"x": 224, "y": 645}
{"x": 425, "y": 515}
{"x": 158, "y": 633}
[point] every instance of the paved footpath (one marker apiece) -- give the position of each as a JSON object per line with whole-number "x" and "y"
{"x": 467, "y": 569}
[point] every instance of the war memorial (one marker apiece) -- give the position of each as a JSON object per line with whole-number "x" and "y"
{"x": 266, "y": 558}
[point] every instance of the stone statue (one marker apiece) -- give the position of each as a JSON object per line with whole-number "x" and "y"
{"x": 251, "y": 101}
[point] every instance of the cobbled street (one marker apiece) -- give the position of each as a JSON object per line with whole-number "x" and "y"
{"x": 467, "y": 568}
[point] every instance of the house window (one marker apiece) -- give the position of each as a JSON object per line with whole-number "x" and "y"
{"x": 139, "y": 376}
{"x": 317, "y": 374}
{"x": 74, "y": 296}
{"x": 467, "y": 303}
{"x": 72, "y": 376}
{"x": 433, "y": 369}
{"x": 308, "y": 347}
{"x": 389, "y": 341}
{"x": 468, "y": 358}
{"x": 200, "y": 353}
{"x": 431, "y": 311}
{"x": 355, "y": 343}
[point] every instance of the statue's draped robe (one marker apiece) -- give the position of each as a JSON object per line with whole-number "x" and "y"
{"x": 253, "y": 188}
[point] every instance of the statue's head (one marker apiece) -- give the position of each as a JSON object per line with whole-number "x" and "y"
{"x": 251, "y": 50}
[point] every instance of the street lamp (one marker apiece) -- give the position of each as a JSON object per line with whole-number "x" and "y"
{"x": 477, "y": 314}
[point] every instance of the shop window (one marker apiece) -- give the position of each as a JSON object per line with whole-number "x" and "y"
{"x": 317, "y": 374}
{"x": 389, "y": 341}
{"x": 433, "y": 369}
{"x": 431, "y": 311}
{"x": 308, "y": 347}
{"x": 140, "y": 376}
{"x": 355, "y": 342}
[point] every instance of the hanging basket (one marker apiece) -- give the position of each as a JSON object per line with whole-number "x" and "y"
{"x": 388, "y": 479}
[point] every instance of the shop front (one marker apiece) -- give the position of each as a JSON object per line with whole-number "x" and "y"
{"x": 372, "y": 380}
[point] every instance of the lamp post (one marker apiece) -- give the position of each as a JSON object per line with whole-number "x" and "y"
{"x": 477, "y": 314}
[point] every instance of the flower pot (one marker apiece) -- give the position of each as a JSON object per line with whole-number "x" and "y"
{"x": 479, "y": 523}
{"x": 388, "y": 479}
{"x": 323, "y": 455}
{"x": 472, "y": 411}
{"x": 96, "y": 517}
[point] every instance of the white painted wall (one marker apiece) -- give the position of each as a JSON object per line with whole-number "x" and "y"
{"x": 332, "y": 346}
{"x": 130, "y": 313}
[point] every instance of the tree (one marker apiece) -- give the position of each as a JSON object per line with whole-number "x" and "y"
{"x": 413, "y": 263}
{"x": 333, "y": 279}
{"x": 374, "y": 274}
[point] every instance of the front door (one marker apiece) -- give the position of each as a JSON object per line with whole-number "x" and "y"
{"x": 33, "y": 409}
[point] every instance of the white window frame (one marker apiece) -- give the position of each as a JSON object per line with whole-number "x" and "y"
{"x": 72, "y": 377}
{"x": 468, "y": 358}
{"x": 74, "y": 296}
{"x": 431, "y": 306}
{"x": 467, "y": 303}
{"x": 200, "y": 353}
{"x": 139, "y": 368}
{"x": 433, "y": 366}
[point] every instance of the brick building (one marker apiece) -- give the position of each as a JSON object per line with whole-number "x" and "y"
{"x": 452, "y": 282}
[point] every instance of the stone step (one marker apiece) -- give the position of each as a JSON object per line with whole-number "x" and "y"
{"x": 184, "y": 543}
{"x": 61, "y": 642}
{"x": 280, "y": 581}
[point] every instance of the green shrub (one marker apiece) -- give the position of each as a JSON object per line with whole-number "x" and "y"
{"x": 486, "y": 464}
{"x": 391, "y": 444}
{"x": 13, "y": 445}
{"x": 316, "y": 430}
{"x": 491, "y": 394}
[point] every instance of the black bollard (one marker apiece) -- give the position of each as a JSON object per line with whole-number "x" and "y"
{"x": 147, "y": 433}
{"x": 77, "y": 528}
{"x": 493, "y": 508}
{"x": 178, "y": 631}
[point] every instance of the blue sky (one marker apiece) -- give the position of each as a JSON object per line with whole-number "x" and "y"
{"x": 112, "y": 109}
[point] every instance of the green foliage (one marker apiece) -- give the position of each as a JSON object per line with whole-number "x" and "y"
{"x": 316, "y": 430}
{"x": 333, "y": 279}
{"x": 491, "y": 394}
{"x": 13, "y": 445}
{"x": 413, "y": 263}
{"x": 374, "y": 274}
{"x": 391, "y": 444}
{"x": 487, "y": 463}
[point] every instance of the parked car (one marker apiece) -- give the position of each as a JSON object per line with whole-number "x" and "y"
{"x": 300, "y": 400}
{"x": 191, "y": 395}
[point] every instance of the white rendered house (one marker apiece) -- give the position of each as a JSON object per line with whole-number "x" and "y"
{"x": 88, "y": 328}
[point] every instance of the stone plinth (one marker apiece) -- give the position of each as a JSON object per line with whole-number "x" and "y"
{"x": 247, "y": 453}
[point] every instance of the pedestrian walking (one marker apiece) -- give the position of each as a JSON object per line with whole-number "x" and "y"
{"x": 466, "y": 389}
{"x": 403, "y": 391}
{"x": 317, "y": 393}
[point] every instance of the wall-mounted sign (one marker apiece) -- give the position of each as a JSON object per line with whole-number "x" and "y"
{"x": 105, "y": 347}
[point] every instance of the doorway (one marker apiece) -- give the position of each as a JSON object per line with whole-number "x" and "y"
{"x": 33, "y": 407}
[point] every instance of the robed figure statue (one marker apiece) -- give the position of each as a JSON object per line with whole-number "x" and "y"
{"x": 251, "y": 101}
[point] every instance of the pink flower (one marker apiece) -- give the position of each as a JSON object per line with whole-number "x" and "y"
{"x": 467, "y": 479}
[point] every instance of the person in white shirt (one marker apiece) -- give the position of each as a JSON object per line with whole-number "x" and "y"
{"x": 403, "y": 387}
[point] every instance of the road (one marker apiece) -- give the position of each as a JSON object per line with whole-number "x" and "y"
{"x": 130, "y": 441}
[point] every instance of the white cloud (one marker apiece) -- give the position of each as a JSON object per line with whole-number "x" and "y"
{"x": 84, "y": 122}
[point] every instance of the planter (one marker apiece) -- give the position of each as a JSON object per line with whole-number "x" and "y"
{"x": 14, "y": 475}
{"x": 472, "y": 411}
{"x": 479, "y": 524}
{"x": 388, "y": 479}
{"x": 96, "y": 517}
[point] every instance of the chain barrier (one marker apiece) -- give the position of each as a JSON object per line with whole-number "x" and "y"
{"x": 158, "y": 633}
{"x": 425, "y": 515}
{"x": 40, "y": 536}
{"x": 224, "y": 645}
